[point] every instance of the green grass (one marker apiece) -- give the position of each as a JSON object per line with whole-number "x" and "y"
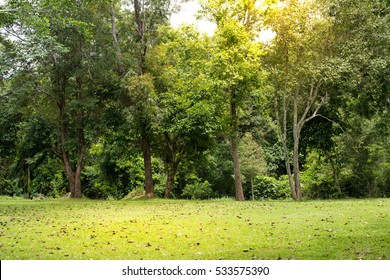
{"x": 177, "y": 229}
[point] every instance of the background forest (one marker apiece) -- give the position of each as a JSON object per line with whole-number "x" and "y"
{"x": 105, "y": 99}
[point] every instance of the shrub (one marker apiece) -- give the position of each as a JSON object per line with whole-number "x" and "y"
{"x": 196, "y": 189}
{"x": 10, "y": 187}
{"x": 317, "y": 179}
{"x": 159, "y": 190}
{"x": 270, "y": 188}
{"x": 135, "y": 193}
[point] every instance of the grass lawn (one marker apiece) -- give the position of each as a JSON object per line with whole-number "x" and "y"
{"x": 176, "y": 229}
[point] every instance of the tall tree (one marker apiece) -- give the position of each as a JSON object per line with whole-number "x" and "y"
{"x": 300, "y": 65}
{"x": 148, "y": 16}
{"x": 362, "y": 37}
{"x": 60, "y": 54}
{"x": 235, "y": 65}
{"x": 186, "y": 113}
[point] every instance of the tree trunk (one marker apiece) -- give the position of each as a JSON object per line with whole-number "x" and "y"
{"x": 144, "y": 127}
{"x": 147, "y": 166}
{"x": 69, "y": 172}
{"x": 296, "y": 134}
{"x": 252, "y": 188}
{"x": 74, "y": 177}
{"x": 121, "y": 66}
{"x": 297, "y": 180}
{"x": 141, "y": 32}
{"x": 282, "y": 128}
{"x": 77, "y": 181}
{"x": 237, "y": 173}
{"x": 60, "y": 84}
{"x": 335, "y": 176}
{"x": 171, "y": 172}
{"x": 234, "y": 145}
{"x": 172, "y": 160}
{"x": 288, "y": 168}
{"x": 138, "y": 18}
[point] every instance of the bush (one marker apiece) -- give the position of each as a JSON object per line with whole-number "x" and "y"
{"x": 10, "y": 187}
{"x": 159, "y": 178}
{"x": 317, "y": 179}
{"x": 49, "y": 179}
{"x": 159, "y": 190}
{"x": 197, "y": 189}
{"x": 270, "y": 188}
{"x": 135, "y": 193}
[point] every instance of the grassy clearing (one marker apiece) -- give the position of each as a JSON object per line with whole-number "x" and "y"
{"x": 218, "y": 229}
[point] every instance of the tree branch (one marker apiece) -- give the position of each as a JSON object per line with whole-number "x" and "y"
{"x": 7, "y": 11}
{"x": 312, "y": 98}
{"x": 328, "y": 119}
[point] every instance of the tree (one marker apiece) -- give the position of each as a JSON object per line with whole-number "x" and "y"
{"x": 300, "y": 65}
{"x": 148, "y": 16}
{"x": 60, "y": 56}
{"x": 9, "y": 122}
{"x": 235, "y": 65}
{"x": 362, "y": 38}
{"x": 252, "y": 159}
{"x": 186, "y": 113}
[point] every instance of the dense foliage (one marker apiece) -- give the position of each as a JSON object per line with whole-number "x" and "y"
{"x": 105, "y": 99}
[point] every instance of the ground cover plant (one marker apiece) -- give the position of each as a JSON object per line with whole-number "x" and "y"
{"x": 179, "y": 229}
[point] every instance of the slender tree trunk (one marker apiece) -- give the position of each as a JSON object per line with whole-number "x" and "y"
{"x": 296, "y": 134}
{"x": 234, "y": 146}
{"x": 138, "y": 18}
{"x": 141, "y": 32}
{"x": 69, "y": 172}
{"x": 147, "y": 166}
{"x": 298, "y": 124}
{"x": 297, "y": 180}
{"x": 114, "y": 31}
{"x": 28, "y": 182}
{"x": 335, "y": 176}
{"x": 145, "y": 135}
{"x": 282, "y": 129}
{"x": 237, "y": 173}
{"x": 288, "y": 168}
{"x": 60, "y": 87}
{"x": 252, "y": 188}
{"x": 172, "y": 161}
